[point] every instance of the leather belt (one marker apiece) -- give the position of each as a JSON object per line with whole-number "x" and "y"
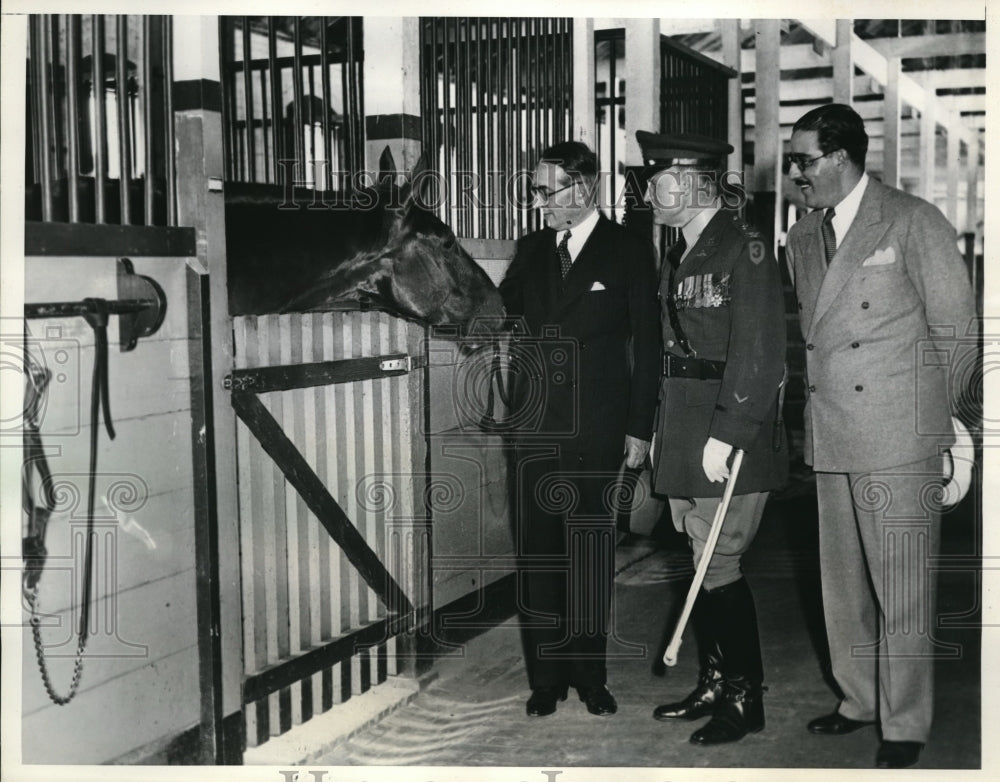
{"x": 691, "y": 367}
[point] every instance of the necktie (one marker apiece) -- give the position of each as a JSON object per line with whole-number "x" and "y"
{"x": 829, "y": 236}
{"x": 565, "y": 261}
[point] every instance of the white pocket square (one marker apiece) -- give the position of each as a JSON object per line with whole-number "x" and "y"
{"x": 881, "y": 258}
{"x": 598, "y": 286}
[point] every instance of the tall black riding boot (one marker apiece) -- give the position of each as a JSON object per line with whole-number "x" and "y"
{"x": 701, "y": 701}
{"x": 740, "y": 709}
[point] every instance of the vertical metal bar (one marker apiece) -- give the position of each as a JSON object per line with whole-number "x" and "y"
{"x": 124, "y": 137}
{"x": 297, "y": 92}
{"x": 73, "y": 99}
{"x": 169, "y": 169}
{"x": 147, "y": 116}
{"x": 463, "y": 110}
{"x": 446, "y": 114}
{"x": 100, "y": 133}
{"x": 489, "y": 140}
{"x": 509, "y": 161}
{"x": 251, "y": 175}
{"x": 353, "y": 121}
{"x": 44, "y": 89}
{"x": 34, "y": 83}
{"x": 226, "y": 57}
{"x": 546, "y": 42}
{"x": 277, "y": 109}
{"x": 266, "y": 118}
{"x": 324, "y": 64}
{"x": 311, "y": 121}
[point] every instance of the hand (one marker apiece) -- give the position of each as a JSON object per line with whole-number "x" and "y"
{"x": 714, "y": 458}
{"x": 635, "y": 451}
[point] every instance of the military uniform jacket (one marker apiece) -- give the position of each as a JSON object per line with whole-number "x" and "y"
{"x": 730, "y": 305}
{"x": 584, "y": 357}
{"x": 883, "y": 326}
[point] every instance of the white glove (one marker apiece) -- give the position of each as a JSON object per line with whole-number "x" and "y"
{"x": 714, "y": 458}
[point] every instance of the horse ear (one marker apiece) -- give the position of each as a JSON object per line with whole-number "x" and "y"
{"x": 386, "y": 166}
{"x": 418, "y": 185}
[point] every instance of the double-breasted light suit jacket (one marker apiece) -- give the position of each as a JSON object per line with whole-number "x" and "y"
{"x": 890, "y": 333}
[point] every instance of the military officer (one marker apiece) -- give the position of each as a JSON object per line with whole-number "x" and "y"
{"x": 723, "y": 320}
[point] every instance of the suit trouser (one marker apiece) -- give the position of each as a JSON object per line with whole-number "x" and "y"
{"x": 564, "y": 536}
{"x": 877, "y": 533}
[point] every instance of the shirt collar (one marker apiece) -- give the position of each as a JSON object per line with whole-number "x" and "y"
{"x": 579, "y": 234}
{"x": 696, "y": 226}
{"x": 847, "y": 209}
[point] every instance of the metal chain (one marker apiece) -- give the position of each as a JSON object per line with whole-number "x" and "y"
{"x": 36, "y": 632}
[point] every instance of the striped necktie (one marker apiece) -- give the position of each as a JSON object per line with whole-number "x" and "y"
{"x": 829, "y": 236}
{"x": 565, "y": 261}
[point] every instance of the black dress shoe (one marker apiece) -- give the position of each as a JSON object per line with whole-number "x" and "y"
{"x": 599, "y": 700}
{"x": 700, "y": 703}
{"x": 740, "y": 711}
{"x": 543, "y": 701}
{"x": 836, "y": 724}
{"x": 898, "y": 754}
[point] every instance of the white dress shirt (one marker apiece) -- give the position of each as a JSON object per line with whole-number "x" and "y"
{"x": 847, "y": 209}
{"x": 579, "y": 234}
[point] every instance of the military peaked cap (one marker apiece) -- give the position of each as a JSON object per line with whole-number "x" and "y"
{"x": 660, "y": 150}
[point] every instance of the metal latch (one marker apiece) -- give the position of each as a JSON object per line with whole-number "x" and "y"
{"x": 403, "y": 364}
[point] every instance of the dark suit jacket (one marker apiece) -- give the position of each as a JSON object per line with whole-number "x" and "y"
{"x": 878, "y": 376}
{"x": 585, "y": 358}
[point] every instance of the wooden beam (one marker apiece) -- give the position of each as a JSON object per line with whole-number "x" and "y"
{"x": 730, "y": 31}
{"x": 794, "y": 57}
{"x": 817, "y": 89}
{"x": 971, "y": 186}
{"x": 843, "y": 64}
{"x": 766, "y": 115}
{"x": 876, "y": 64}
{"x": 950, "y": 80}
{"x": 952, "y": 166}
{"x": 943, "y": 45}
{"x": 928, "y": 144}
{"x": 642, "y": 75}
{"x": 890, "y": 155}
{"x": 583, "y": 81}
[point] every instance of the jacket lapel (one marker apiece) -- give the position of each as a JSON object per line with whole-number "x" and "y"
{"x": 583, "y": 272}
{"x": 863, "y": 236}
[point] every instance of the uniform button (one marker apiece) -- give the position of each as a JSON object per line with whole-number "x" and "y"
{"x": 800, "y": 305}
{"x": 859, "y": 388}
{"x": 812, "y": 388}
{"x": 810, "y": 346}
{"x": 670, "y": 343}
{"x": 865, "y": 305}
{"x": 855, "y": 344}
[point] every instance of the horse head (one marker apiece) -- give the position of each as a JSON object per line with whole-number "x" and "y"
{"x": 415, "y": 268}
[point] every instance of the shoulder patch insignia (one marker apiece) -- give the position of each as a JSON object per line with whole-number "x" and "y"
{"x": 757, "y": 250}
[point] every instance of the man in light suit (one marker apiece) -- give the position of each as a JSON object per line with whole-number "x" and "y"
{"x": 584, "y": 363}
{"x": 887, "y": 313}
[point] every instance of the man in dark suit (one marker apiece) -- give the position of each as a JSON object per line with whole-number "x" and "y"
{"x": 885, "y": 308}
{"x": 584, "y": 362}
{"x": 724, "y": 353}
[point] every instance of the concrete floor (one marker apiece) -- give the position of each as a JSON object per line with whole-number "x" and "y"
{"x": 472, "y": 712}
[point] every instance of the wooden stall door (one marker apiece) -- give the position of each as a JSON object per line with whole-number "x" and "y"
{"x": 326, "y": 425}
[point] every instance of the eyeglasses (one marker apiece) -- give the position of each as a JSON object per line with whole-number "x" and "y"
{"x": 544, "y": 193}
{"x": 801, "y": 161}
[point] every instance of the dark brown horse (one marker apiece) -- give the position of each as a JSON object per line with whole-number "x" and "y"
{"x": 382, "y": 248}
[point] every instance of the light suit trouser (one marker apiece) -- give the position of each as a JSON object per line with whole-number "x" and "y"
{"x": 877, "y": 534}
